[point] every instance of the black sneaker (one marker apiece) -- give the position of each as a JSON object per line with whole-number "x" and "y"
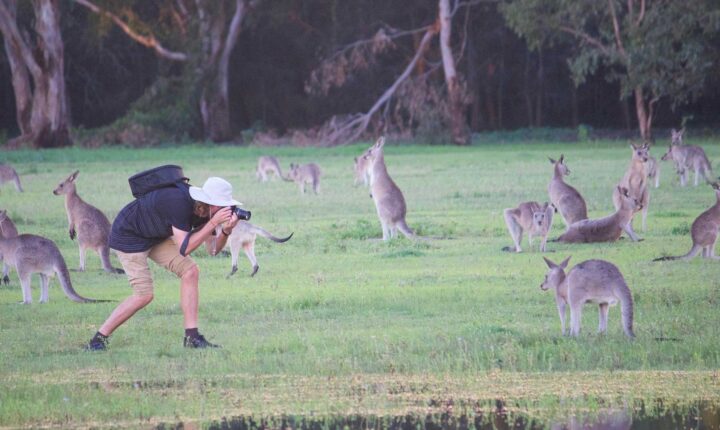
{"x": 198, "y": 342}
{"x": 96, "y": 345}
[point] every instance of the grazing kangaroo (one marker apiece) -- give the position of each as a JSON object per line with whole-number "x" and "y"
{"x": 362, "y": 173}
{"x": 88, "y": 222}
{"x": 243, "y": 235}
{"x": 7, "y": 174}
{"x": 30, "y": 254}
{"x": 704, "y": 232}
{"x": 267, "y": 164}
{"x": 389, "y": 200}
{"x": 687, "y": 157}
{"x": 592, "y": 281}
{"x": 7, "y": 230}
{"x": 566, "y": 199}
{"x": 305, "y": 173}
{"x": 608, "y": 229}
{"x": 530, "y": 216}
{"x": 635, "y": 181}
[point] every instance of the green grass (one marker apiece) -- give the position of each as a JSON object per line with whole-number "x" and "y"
{"x": 339, "y": 322}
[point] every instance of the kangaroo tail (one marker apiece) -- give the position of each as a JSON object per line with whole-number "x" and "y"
{"x": 64, "y": 277}
{"x": 626, "y": 310}
{"x": 404, "y": 229}
{"x": 18, "y": 186}
{"x": 105, "y": 258}
{"x": 264, "y": 233}
{"x": 692, "y": 253}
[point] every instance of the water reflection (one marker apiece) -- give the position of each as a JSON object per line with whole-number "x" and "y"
{"x": 699, "y": 417}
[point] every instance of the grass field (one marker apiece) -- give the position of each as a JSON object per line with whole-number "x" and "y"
{"x": 336, "y": 322}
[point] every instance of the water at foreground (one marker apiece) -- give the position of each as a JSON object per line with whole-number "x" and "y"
{"x": 701, "y": 416}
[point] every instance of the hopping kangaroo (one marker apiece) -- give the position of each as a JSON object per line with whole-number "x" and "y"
{"x": 267, "y": 164}
{"x": 362, "y": 173}
{"x": 8, "y": 174}
{"x": 635, "y": 180}
{"x": 532, "y": 217}
{"x": 30, "y": 254}
{"x": 687, "y": 157}
{"x": 389, "y": 200}
{"x": 606, "y": 229}
{"x": 704, "y": 232}
{"x": 305, "y": 173}
{"x": 566, "y": 199}
{"x": 243, "y": 236}
{"x": 7, "y": 230}
{"x": 88, "y": 222}
{"x": 592, "y": 281}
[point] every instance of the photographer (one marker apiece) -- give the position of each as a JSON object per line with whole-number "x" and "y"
{"x": 158, "y": 226}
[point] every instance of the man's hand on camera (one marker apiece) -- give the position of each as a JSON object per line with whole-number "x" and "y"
{"x": 222, "y": 216}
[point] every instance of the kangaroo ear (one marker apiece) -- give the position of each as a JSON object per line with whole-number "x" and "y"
{"x": 355, "y": 159}
{"x": 552, "y": 161}
{"x": 72, "y": 177}
{"x": 545, "y": 206}
{"x": 564, "y": 263}
{"x": 632, "y": 145}
{"x": 380, "y": 142}
{"x": 549, "y": 263}
{"x": 562, "y": 158}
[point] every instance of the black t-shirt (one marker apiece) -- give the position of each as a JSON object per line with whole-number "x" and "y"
{"x": 148, "y": 220}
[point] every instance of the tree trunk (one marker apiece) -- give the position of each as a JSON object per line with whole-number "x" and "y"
{"x": 643, "y": 117}
{"x": 42, "y": 109}
{"x": 458, "y": 122}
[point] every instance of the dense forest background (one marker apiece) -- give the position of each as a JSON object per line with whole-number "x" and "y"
{"x": 508, "y": 81}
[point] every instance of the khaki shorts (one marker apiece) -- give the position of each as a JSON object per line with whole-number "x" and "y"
{"x": 165, "y": 254}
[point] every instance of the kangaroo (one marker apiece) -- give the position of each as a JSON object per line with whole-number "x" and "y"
{"x": 687, "y": 157}
{"x": 243, "y": 235}
{"x": 88, "y": 222}
{"x": 530, "y": 216}
{"x": 608, "y": 229}
{"x": 389, "y": 200}
{"x": 7, "y": 230}
{"x": 635, "y": 180}
{"x": 566, "y": 199}
{"x": 704, "y": 232}
{"x": 652, "y": 170}
{"x": 267, "y": 164}
{"x": 362, "y": 172}
{"x": 7, "y": 174}
{"x": 305, "y": 173}
{"x": 30, "y": 254}
{"x": 592, "y": 281}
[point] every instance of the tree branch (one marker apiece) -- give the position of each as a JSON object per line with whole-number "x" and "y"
{"x": 148, "y": 41}
{"x": 586, "y": 37}
{"x": 642, "y": 13}
{"x": 8, "y": 27}
{"x": 616, "y": 28}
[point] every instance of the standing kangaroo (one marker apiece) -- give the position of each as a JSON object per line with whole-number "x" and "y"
{"x": 362, "y": 173}
{"x": 91, "y": 225}
{"x": 7, "y": 230}
{"x": 7, "y": 174}
{"x": 243, "y": 235}
{"x": 704, "y": 232}
{"x": 566, "y": 199}
{"x": 30, "y": 254}
{"x": 305, "y": 173}
{"x": 389, "y": 200}
{"x": 267, "y": 164}
{"x": 635, "y": 181}
{"x": 687, "y": 157}
{"x": 608, "y": 229}
{"x": 652, "y": 170}
{"x": 530, "y": 216}
{"x": 592, "y": 281}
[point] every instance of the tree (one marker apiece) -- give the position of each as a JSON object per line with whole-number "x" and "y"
{"x": 655, "y": 49}
{"x": 37, "y": 71}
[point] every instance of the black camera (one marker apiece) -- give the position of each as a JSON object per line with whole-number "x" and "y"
{"x": 241, "y": 214}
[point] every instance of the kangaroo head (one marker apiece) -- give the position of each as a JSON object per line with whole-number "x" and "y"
{"x": 676, "y": 136}
{"x": 629, "y": 201}
{"x": 555, "y": 274}
{"x": 67, "y": 186}
{"x": 374, "y": 152}
{"x": 640, "y": 152}
{"x": 560, "y": 165}
{"x": 540, "y": 216}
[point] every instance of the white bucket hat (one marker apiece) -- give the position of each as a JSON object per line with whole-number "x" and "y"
{"x": 215, "y": 191}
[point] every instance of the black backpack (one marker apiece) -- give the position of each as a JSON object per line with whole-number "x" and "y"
{"x": 168, "y": 175}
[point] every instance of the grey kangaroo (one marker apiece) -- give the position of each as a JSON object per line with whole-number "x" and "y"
{"x": 389, "y": 200}
{"x": 305, "y": 173}
{"x": 652, "y": 170}
{"x": 8, "y": 174}
{"x": 362, "y": 173}
{"x": 592, "y": 281}
{"x": 635, "y": 181}
{"x": 243, "y": 236}
{"x": 30, "y": 254}
{"x": 87, "y": 222}
{"x": 566, "y": 199}
{"x": 536, "y": 219}
{"x": 608, "y": 229}
{"x": 688, "y": 157}
{"x": 704, "y": 232}
{"x": 267, "y": 164}
{"x": 7, "y": 230}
